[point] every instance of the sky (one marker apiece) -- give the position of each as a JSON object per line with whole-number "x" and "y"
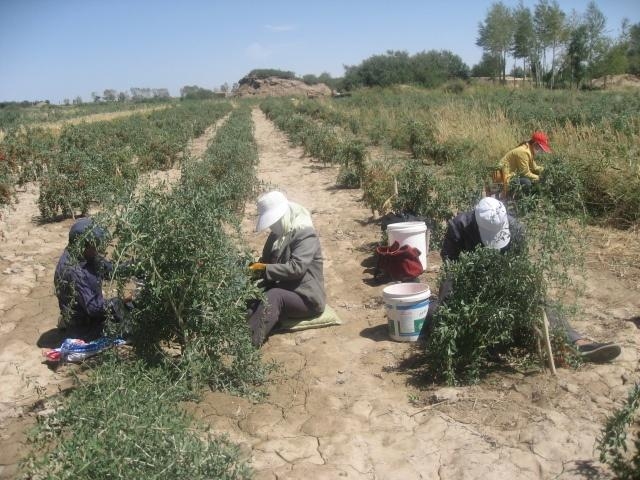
{"x": 57, "y": 49}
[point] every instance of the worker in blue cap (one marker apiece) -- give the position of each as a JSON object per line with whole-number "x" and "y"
{"x": 78, "y": 282}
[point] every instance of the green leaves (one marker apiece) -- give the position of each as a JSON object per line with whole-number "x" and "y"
{"x": 613, "y": 444}
{"x": 494, "y": 307}
{"x": 125, "y": 422}
{"x": 99, "y": 162}
{"x": 187, "y": 250}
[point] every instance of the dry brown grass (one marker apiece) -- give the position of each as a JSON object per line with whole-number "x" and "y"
{"x": 493, "y": 134}
{"x": 617, "y": 251}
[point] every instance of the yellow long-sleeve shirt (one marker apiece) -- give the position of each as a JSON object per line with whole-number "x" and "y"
{"x": 520, "y": 162}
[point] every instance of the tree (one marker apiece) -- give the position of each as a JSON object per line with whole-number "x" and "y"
{"x": 161, "y": 93}
{"x": 434, "y": 68}
{"x": 633, "y": 49}
{"x": 495, "y": 35}
{"x": 66, "y": 101}
{"x": 95, "y": 97}
{"x": 77, "y": 100}
{"x": 595, "y": 23}
{"x": 122, "y": 97}
{"x": 577, "y": 54}
{"x": 310, "y": 79}
{"x": 517, "y": 72}
{"x": 551, "y": 32}
{"x": 224, "y": 88}
{"x": 488, "y": 66}
{"x": 523, "y": 36}
{"x": 613, "y": 62}
{"x": 195, "y": 92}
{"x": 109, "y": 95}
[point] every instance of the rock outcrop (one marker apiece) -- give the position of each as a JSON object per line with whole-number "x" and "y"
{"x": 251, "y": 86}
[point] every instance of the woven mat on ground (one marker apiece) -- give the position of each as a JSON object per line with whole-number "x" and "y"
{"x": 327, "y": 318}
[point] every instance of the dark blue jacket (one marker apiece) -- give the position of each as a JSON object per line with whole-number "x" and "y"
{"x": 78, "y": 286}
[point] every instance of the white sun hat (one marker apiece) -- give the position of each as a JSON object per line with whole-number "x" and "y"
{"x": 493, "y": 223}
{"x": 271, "y": 207}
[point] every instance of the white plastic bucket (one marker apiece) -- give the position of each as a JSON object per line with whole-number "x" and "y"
{"x": 406, "y": 305}
{"x": 414, "y": 234}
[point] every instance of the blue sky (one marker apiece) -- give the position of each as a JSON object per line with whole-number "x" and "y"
{"x": 56, "y": 49}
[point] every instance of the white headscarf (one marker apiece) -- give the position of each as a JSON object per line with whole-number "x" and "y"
{"x": 296, "y": 218}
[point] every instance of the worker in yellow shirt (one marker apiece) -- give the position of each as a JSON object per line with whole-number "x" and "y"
{"x": 519, "y": 168}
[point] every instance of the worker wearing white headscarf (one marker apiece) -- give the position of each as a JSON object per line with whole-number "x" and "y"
{"x": 291, "y": 264}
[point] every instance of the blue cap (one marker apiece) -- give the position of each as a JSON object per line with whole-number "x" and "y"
{"x": 87, "y": 230}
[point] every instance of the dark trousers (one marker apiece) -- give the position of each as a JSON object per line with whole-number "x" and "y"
{"x": 280, "y": 303}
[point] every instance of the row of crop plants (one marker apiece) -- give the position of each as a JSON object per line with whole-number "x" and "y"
{"x": 15, "y": 115}
{"x": 421, "y": 189}
{"x": 124, "y": 420}
{"x": 596, "y": 136}
{"x": 99, "y": 162}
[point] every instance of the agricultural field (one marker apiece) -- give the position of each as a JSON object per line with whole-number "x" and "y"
{"x": 193, "y": 399}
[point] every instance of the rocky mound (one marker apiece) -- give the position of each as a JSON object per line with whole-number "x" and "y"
{"x": 617, "y": 81}
{"x": 251, "y": 86}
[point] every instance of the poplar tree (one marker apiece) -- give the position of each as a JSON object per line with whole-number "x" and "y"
{"x": 495, "y": 35}
{"x": 551, "y": 31}
{"x": 596, "y": 44}
{"x": 524, "y": 36}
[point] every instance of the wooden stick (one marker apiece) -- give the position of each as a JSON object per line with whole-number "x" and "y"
{"x": 545, "y": 322}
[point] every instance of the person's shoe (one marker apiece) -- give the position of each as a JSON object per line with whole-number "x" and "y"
{"x": 599, "y": 352}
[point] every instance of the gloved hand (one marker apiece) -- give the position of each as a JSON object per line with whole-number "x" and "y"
{"x": 257, "y": 270}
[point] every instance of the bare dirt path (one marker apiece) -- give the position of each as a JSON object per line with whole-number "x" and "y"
{"x": 345, "y": 404}
{"x": 29, "y": 252}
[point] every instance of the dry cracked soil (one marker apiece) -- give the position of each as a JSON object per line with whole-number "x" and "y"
{"x": 346, "y": 401}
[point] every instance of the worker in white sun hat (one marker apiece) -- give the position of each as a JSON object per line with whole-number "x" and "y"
{"x": 489, "y": 225}
{"x": 291, "y": 266}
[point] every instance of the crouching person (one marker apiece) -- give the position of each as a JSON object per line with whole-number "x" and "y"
{"x": 291, "y": 266}
{"x": 78, "y": 283}
{"x": 488, "y": 225}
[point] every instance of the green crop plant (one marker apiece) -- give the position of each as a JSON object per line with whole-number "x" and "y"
{"x": 497, "y": 299}
{"x": 378, "y": 184}
{"x": 616, "y": 450}
{"x": 76, "y": 179}
{"x": 98, "y": 162}
{"x": 348, "y": 177}
{"x": 195, "y": 282}
{"x": 494, "y": 307}
{"x": 124, "y": 421}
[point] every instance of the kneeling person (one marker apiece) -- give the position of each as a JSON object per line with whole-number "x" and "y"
{"x": 78, "y": 283}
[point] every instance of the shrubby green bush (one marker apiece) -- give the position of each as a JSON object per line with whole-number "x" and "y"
{"x": 348, "y": 177}
{"x": 98, "y": 162}
{"x": 494, "y": 307}
{"x": 124, "y": 422}
{"x": 425, "y": 192}
{"x": 195, "y": 281}
{"x": 616, "y": 450}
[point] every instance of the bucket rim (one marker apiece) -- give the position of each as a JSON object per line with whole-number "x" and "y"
{"x": 388, "y": 291}
{"x": 404, "y": 225}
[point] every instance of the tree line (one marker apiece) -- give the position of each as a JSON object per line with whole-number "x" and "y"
{"x": 553, "y": 48}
